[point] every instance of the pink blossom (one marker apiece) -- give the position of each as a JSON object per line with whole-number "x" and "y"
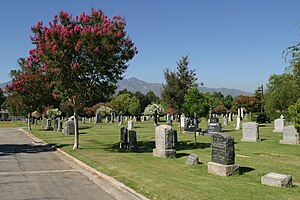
{"x": 77, "y": 28}
{"x": 55, "y": 95}
{"x": 75, "y": 65}
{"x": 97, "y": 49}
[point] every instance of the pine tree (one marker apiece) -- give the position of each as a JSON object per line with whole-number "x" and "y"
{"x": 177, "y": 84}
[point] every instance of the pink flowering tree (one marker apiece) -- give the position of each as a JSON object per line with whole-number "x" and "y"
{"x": 83, "y": 56}
{"x": 30, "y": 90}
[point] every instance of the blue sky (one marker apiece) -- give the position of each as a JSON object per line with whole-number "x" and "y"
{"x": 231, "y": 43}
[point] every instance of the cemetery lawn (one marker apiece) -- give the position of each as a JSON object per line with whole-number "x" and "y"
{"x": 158, "y": 178}
{"x": 9, "y": 124}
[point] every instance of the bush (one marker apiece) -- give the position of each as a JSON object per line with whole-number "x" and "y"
{"x": 262, "y": 118}
{"x": 294, "y": 111}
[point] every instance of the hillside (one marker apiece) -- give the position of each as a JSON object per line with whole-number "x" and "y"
{"x": 134, "y": 84}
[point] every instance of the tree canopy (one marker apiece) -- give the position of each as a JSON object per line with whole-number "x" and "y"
{"x": 177, "y": 84}
{"x": 195, "y": 102}
{"x": 84, "y": 57}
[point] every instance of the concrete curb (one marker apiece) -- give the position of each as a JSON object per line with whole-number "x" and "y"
{"x": 113, "y": 181}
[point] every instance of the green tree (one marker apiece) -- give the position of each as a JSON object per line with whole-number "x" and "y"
{"x": 196, "y": 106}
{"x": 215, "y": 99}
{"x": 120, "y": 103}
{"x": 294, "y": 112}
{"x": 83, "y": 56}
{"x": 151, "y": 97}
{"x": 195, "y": 102}
{"x": 259, "y": 97}
{"x": 124, "y": 91}
{"x": 281, "y": 92}
{"x": 134, "y": 106}
{"x": 142, "y": 100}
{"x": 228, "y": 101}
{"x": 177, "y": 84}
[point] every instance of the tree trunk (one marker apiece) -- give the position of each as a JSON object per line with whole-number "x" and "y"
{"x": 76, "y": 142}
{"x": 29, "y": 124}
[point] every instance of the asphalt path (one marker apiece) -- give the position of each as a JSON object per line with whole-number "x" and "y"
{"x": 31, "y": 171}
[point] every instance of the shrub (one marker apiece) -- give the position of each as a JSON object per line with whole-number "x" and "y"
{"x": 294, "y": 111}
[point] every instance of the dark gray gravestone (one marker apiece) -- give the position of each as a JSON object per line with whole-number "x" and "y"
{"x": 214, "y": 120}
{"x": 214, "y": 127}
{"x": 32, "y": 120}
{"x": 48, "y": 124}
{"x": 98, "y": 118}
{"x": 123, "y": 138}
{"x": 193, "y": 159}
{"x": 132, "y": 140}
{"x": 55, "y": 124}
{"x": 69, "y": 128}
{"x": 175, "y": 138}
{"x": 44, "y": 123}
{"x": 59, "y": 126}
{"x": 223, "y": 149}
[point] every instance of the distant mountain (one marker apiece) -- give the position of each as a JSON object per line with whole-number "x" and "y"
{"x": 134, "y": 84}
{"x": 226, "y": 91}
{"x": 3, "y": 85}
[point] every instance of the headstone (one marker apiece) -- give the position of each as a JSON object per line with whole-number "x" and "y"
{"x": 242, "y": 113}
{"x": 55, "y": 124}
{"x": 132, "y": 140}
{"x": 250, "y": 132}
{"x": 279, "y": 124}
{"x": 44, "y": 123}
{"x": 182, "y": 121}
{"x": 112, "y": 118}
{"x": 32, "y": 120}
{"x": 238, "y": 123}
{"x": 169, "y": 122}
{"x": 239, "y": 112}
{"x": 69, "y": 128}
{"x": 193, "y": 159}
{"x": 175, "y": 138}
{"x": 213, "y": 127}
{"x": 290, "y": 135}
{"x": 168, "y": 117}
{"x": 123, "y": 138}
{"x": 98, "y": 118}
{"x": 59, "y": 126}
{"x": 130, "y": 125}
{"x": 164, "y": 142}
{"x": 134, "y": 119}
{"x": 278, "y": 180}
{"x": 230, "y": 117}
{"x": 48, "y": 124}
{"x": 223, "y": 156}
{"x": 225, "y": 120}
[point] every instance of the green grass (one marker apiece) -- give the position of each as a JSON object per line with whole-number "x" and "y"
{"x": 9, "y": 124}
{"x": 158, "y": 178}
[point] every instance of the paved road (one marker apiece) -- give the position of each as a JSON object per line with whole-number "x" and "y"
{"x": 34, "y": 171}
